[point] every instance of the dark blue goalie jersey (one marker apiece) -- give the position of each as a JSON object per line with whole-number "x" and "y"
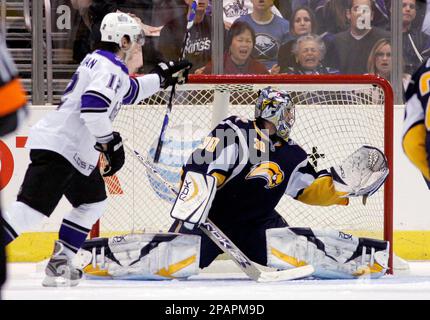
{"x": 253, "y": 172}
{"x": 416, "y": 139}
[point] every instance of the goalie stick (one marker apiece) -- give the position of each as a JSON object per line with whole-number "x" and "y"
{"x": 172, "y": 93}
{"x": 226, "y": 245}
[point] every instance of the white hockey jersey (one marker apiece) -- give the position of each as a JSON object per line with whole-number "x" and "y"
{"x": 90, "y": 103}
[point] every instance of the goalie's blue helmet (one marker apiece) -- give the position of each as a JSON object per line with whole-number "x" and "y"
{"x": 276, "y": 107}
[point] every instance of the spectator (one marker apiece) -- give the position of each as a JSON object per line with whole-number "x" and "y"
{"x": 234, "y": 9}
{"x": 416, "y": 46}
{"x": 382, "y": 17}
{"x": 354, "y": 45}
{"x": 309, "y": 51}
{"x": 170, "y": 42}
{"x": 426, "y": 22}
{"x": 88, "y": 34}
{"x": 285, "y": 7}
{"x": 237, "y": 59}
{"x": 379, "y": 61}
{"x": 305, "y": 3}
{"x": 93, "y": 11}
{"x": 198, "y": 47}
{"x": 380, "y": 64}
{"x": 303, "y": 22}
{"x": 271, "y": 33}
{"x": 82, "y": 6}
{"x": 421, "y": 6}
{"x": 331, "y": 16}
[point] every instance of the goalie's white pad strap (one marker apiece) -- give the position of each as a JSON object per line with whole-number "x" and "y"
{"x": 141, "y": 256}
{"x": 362, "y": 173}
{"x": 333, "y": 254}
{"x": 195, "y": 198}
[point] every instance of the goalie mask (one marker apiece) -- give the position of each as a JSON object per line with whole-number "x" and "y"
{"x": 276, "y": 107}
{"x": 117, "y": 25}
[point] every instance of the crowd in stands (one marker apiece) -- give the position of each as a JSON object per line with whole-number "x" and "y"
{"x": 269, "y": 36}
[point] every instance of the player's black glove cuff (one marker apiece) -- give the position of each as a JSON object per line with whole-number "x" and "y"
{"x": 114, "y": 155}
{"x": 172, "y": 72}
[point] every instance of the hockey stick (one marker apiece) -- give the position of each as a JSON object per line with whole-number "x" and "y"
{"x": 226, "y": 245}
{"x": 172, "y": 93}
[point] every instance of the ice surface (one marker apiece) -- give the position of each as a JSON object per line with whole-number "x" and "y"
{"x": 24, "y": 282}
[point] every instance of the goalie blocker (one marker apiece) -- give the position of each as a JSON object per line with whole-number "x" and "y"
{"x": 195, "y": 199}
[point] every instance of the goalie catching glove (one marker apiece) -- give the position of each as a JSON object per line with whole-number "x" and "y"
{"x": 172, "y": 72}
{"x": 194, "y": 200}
{"x": 362, "y": 173}
{"x": 114, "y": 154}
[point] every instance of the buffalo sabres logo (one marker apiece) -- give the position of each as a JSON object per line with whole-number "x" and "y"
{"x": 266, "y": 46}
{"x": 269, "y": 171}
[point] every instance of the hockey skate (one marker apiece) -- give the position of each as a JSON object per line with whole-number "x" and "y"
{"x": 60, "y": 272}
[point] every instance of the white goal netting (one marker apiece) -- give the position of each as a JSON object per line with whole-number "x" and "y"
{"x": 332, "y": 120}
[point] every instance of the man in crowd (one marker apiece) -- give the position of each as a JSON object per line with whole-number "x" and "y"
{"x": 354, "y": 45}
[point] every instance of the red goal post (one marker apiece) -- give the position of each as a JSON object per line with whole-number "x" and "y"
{"x": 338, "y": 108}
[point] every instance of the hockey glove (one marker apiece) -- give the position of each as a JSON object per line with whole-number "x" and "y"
{"x": 172, "y": 72}
{"x": 362, "y": 173}
{"x": 114, "y": 155}
{"x": 194, "y": 199}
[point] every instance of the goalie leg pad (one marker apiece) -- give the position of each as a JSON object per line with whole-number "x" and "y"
{"x": 141, "y": 257}
{"x": 333, "y": 254}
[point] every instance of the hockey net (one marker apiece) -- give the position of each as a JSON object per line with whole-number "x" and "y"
{"x": 335, "y": 115}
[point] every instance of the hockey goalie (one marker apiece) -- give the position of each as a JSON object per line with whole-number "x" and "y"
{"x": 236, "y": 179}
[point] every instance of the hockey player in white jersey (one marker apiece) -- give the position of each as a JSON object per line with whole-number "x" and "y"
{"x": 65, "y": 145}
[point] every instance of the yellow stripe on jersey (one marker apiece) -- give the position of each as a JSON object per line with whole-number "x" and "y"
{"x": 414, "y": 145}
{"x": 424, "y": 83}
{"x": 427, "y": 116}
{"x": 12, "y": 97}
{"x": 322, "y": 193}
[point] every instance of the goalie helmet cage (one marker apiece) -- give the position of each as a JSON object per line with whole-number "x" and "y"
{"x": 335, "y": 115}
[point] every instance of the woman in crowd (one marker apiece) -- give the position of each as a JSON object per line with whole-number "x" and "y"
{"x": 380, "y": 62}
{"x": 416, "y": 44}
{"x": 302, "y": 23}
{"x": 309, "y": 51}
{"x": 237, "y": 59}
